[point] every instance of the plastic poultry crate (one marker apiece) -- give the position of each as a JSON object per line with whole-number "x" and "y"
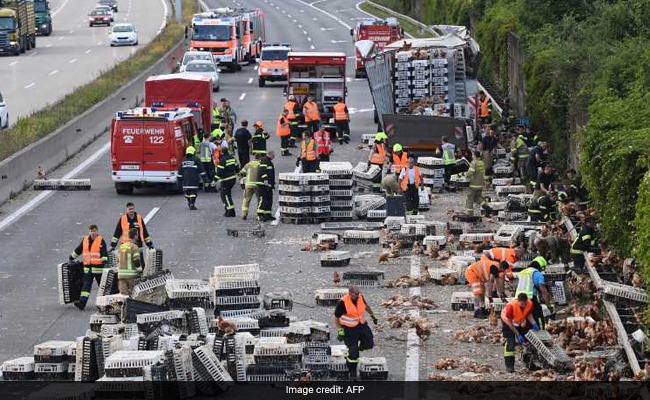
{"x": 237, "y": 272}
{"x": 125, "y": 363}
{"x": 373, "y": 368}
{"x": 505, "y": 181}
{"x": 207, "y": 367}
{"x": 335, "y": 167}
{"x": 436, "y": 241}
{"x": 237, "y": 302}
{"x": 497, "y": 303}
{"x": 462, "y": 301}
{"x": 335, "y": 258}
{"x": 294, "y": 201}
{"x": 361, "y": 237}
{"x": 62, "y": 184}
{"x": 235, "y": 288}
{"x": 196, "y": 321}
{"x": 154, "y": 262}
{"x": 97, "y": 320}
{"x": 292, "y": 178}
{"x": 111, "y": 304}
{"x": 623, "y": 294}
{"x": 70, "y": 277}
{"x": 510, "y": 216}
{"x": 415, "y": 229}
{"x": 171, "y": 315}
{"x": 278, "y": 300}
{"x": 475, "y": 237}
{"x": 552, "y": 354}
{"x": 53, "y": 351}
{"x": 501, "y": 169}
{"x": 512, "y": 189}
{"x": 506, "y": 233}
{"x": 341, "y": 184}
{"x": 108, "y": 282}
{"x": 329, "y": 297}
{"x": 51, "y": 371}
{"x": 18, "y": 369}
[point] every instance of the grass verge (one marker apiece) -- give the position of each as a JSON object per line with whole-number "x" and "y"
{"x": 28, "y": 130}
{"x": 408, "y": 26}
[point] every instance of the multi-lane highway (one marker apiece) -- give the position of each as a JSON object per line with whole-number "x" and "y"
{"x": 74, "y": 54}
{"x": 192, "y": 241}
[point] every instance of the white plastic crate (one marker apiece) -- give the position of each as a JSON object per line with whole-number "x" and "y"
{"x": 341, "y": 193}
{"x": 321, "y": 210}
{"x": 97, "y": 320}
{"x": 475, "y": 237}
{"x": 322, "y": 238}
{"x": 113, "y": 301}
{"x": 433, "y": 171}
{"x": 343, "y": 183}
{"x": 510, "y": 216}
{"x": 436, "y": 241}
{"x": 329, "y": 296}
{"x": 502, "y": 169}
{"x": 277, "y": 349}
{"x": 415, "y": 219}
{"x": 295, "y": 190}
{"x": 394, "y": 223}
{"x": 51, "y": 368}
{"x": 243, "y": 324}
{"x": 52, "y": 348}
{"x": 335, "y": 258}
{"x": 413, "y": 229}
{"x": 376, "y": 215}
{"x": 295, "y": 199}
{"x": 294, "y": 178}
{"x": 243, "y": 313}
{"x": 504, "y": 181}
{"x": 207, "y": 367}
{"x": 619, "y": 293}
{"x": 160, "y": 316}
{"x": 274, "y": 332}
{"x": 462, "y": 301}
{"x": 233, "y": 285}
{"x": 237, "y": 300}
{"x": 295, "y": 210}
{"x": 497, "y": 303}
{"x": 430, "y": 161}
{"x": 346, "y": 204}
{"x": 357, "y": 236}
{"x": 188, "y": 288}
{"x": 237, "y": 272}
{"x": 438, "y": 273}
{"x": 506, "y": 233}
{"x": 363, "y": 171}
{"x": 125, "y": 359}
{"x": 20, "y": 364}
{"x": 373, "y": 368}
{"x": 498, "y": 205}
{"x": 336, "y": 167}
{"x": 553, "y": 354}
{"x": 62, "y": 184}
{"x": 512, "y": 189}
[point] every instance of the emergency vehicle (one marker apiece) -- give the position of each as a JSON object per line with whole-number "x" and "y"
{"x": 232, "y": 35}
{"x": 147, "y": 145}
{"x": 273, "y": 63}
{"x": 321, "y": 75}
{"x": 377, "y": 32}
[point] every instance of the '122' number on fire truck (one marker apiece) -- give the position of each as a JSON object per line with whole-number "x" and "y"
{"x": 156, "y": 139}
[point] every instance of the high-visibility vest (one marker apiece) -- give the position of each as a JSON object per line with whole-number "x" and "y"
{"x": 525, "y": 284}
{"x": 481, "y": 269}
{"x": 378, "y": 155}
{"x": 205, "y": 155}
{"x": 503, "y": 254}
{"x": 353, "y": 313}
{"x": 399, "y": 162}
{"x": 448, "y": 154}
{"x": 290, "y": 106}
{"x": 519, "y": 315}
{"x": 308, "y": 152}
{"x": 125, "y": 227}
{"x": 485, "y": 108}
{"x": 281, "y": 129}
{"x": 323, "y": 141}
{"x": 217, "y": 133}
{"x": 197, "y": 141}
{"x": 403, "y": 184}
{"x": 215, "y": 113}
{"x": 126, "y": 267}
{"x": 311, "y": 112}
{"x": 90, "y": 253}
{"x": 339, "y": 112}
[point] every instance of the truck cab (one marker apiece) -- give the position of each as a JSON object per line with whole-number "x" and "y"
{"x": 273, "y": 63}
{"x": 43, "y": 17}
{"x": 17, "y": 26}
{"x": 378, "y": 31}
{"x": 147, "y": 146}
{"x": 220, "y": 37}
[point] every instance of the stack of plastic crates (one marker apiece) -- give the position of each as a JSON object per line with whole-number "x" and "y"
{"x": 86, "y": 359}
{"x": 151, "y": 288}
{"x": 18, "y": 369}
{"x": 111, "y": 304}
{"x": 506, "y": 234}
{"x": 335, "y": 258}
{"x": 196, "y": 321}
{"x": 361, "y": 237}
{"x": 132, "y": 308}
{"x": 278, "y": 300}
{"x": 364, "y": 203}
{"x": 363, "y": 175}
{"x": 277, "y": 353}
{"x": 304, "y": 198}
{"x": 551, "y": 353}
{"x": 462, "y": 301}
{"x": 51, "y": 360}
{"x": 403, "y": 79}
{"x": 69, "y": 277}
{"x": 376, "y": 215}
{"x": 329, "y": 297}
{"x": 340, "y": 189}
{"x": 153, "y": 263}
{"x": 104, "y": 347}
{"x": 338, "y": 366}
{"x": 317, "y": 356}
{"x": 174, "y": 319}
{"x": 319, "y": 190}
{"x": 433, "y": 172}
{"x": 623, "y": 295}
{"x": 394, "y": 223}
{"x": 373, "y": 369}
{"x": 187, "y": 293}
{"x": 108, "y": 282}
{"x": 363, "y": 278}
{"x": 317, "y": 331}
{"x": 97, "y": 320}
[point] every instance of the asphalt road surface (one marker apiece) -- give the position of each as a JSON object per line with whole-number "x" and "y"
{"x": 195, "y": 241}
{"x": 74, "y": 54}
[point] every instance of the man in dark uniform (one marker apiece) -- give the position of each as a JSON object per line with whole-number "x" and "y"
{"x": 265, "y": 186}
{"x": 94, "y": 255}
{"x": 191, "y": 173}
{"x": 227, "y": 176}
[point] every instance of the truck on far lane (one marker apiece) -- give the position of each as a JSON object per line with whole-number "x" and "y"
{"x": 17, "y": 26}
{"x": 43, "y": 17}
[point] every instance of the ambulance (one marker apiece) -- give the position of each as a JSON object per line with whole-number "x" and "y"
{"x": 273, "y": 63}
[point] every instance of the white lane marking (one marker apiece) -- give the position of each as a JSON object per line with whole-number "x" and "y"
{"x": 277, "y": 8}
{"x": 256, "y": 67}
{"x": 312, "y": 47}
{"x": 284, "y": 12}
{"x": 289, "y": 16}
{"x": 301, "y": 10}
{"x": 11, "y": 64}
{"x": 308, "y": 39}
{"x": 338, "y": 41}
{"x": 243, "y": 95}
{"x": 33, "y": 53}
{"x": 305, "y": 32}
{"x": 412, "y": 368}
{"x": 19, "y": 213}
{"x": 30, "y": 85}
{"x": 99, "y": 43}
{"x": 295, "y": 21}
{"x": 58, "y": 10}
{"x": 88, "y": 51}
{"x": 74, "y": 60}
{"x": 49, "y": 45}
{"x": 326, "y": 29}
{"x": 250, "y": 80}
{"x": 314, "y": 19}
{"x": 316, "y": 2}
{"x": 79, "y": 26}
{"x": 358, "y": 7}
{"x": 334, "y": 17}
{"x": 300, "y": 26}
{"x": 165, "y": 14}
{"x": 56, "y": 71}
{"x": 62, "y": 37}
{"x": 276, "y": 221}
{"x": 151, "y": 214}
{"x": 72, "y": 31}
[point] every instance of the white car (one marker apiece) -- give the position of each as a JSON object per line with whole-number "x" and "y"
{"x": 4, "y": 113}
{"x": 107, "y": 9}
{"x": 194, "y": 55}
{"x": 124, "y": 34}
{"x": 204, "y": 68}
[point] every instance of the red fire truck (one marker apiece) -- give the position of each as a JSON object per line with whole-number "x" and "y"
{"x": 378, "y": 31}
{"x": 321, "y": 75}
{"x": 147, "y": 145}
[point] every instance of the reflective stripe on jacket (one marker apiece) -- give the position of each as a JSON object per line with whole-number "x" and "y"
{"x": 307, "y": 150}
{"x": 378, "y": 154}
{"x": 353, "y": 313}
{"x": 519, "y": 315}
{"x": 311, "y": 112}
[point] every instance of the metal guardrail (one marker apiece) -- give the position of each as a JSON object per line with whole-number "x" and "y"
{"x": 402, "y": 16}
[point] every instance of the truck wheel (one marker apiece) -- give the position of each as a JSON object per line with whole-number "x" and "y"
{"x": 21, "y": 43}
{"x": 123, "y": 188}
{"x": 238, "y": 67}
{"x": 233, "y": 66}
{"x": 376, "y": 117}
{"x": 34, "y": 42}
{"x": 261, "y": 82}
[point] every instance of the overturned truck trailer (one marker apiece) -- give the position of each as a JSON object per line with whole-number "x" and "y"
{"x": 424, "y": 89}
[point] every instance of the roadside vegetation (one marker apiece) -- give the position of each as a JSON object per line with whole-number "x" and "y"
{"x": 29, "y": 129}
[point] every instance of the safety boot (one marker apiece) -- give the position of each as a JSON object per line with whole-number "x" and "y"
{"x": 477, "y": 313}
{"x": 510, "y": 364}
{"x": 80, "y": 304}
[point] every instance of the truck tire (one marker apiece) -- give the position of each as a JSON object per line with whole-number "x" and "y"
{"x": 34, "y": 42}
{"x": 261, "y": 82}
{"x": 376, "y": 117}
{"x": 233, "y": 66}
{"x": 123, "y": 188}
{"x": 21, "y": 42}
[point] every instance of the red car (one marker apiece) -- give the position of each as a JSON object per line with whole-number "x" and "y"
{"x": 99, "y": 17}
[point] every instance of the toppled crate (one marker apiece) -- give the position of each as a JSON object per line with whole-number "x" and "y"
{"x": 154, "y": 262}
{"x": 236, "y": 302}
{"x": 237, "y": 272}
{"x": 125, "y": 363}
{"x": 108, "y": 282}
{"x": 273, "y": 319}
{"x": 363, "y": 278}
{"x": 318, "y": 331}
{"x": 269, "y": 353}
{"x": 435, "y": 241}
{"x": 235, "y": 288}
{"x": 148, "y": 323}
{"x": 394, "y": 223}
{"x": 269, "y": 372}
{"x": 111, "y": 304}
{"x": 18, "y": 369}
{"x": 376, "y": 215}
{"x": 132, "y": 308}
{"x": 475, "y": 237}
{"x": 497, "y": 303}
{"x": 244, "y": 324}
{"x": 365, "y": 172}
{"x": 512, "y": 189}
{"x": 208, "y": 369}
{"x": 623, "y": 294}
{"x": 361, "y": 237}
{"x": 373, "y": 369}
{"x": 187, "y": 293}
{"x": 196, "y": 321}
{"x": 97, "y": 320}
{"x": 560, "y": 292}
{"x": 335, "y": 259}
{"x": 556, "y": 272}
{"x": 329, "y": 297}
{"x": 462, "y": 301}
{"x": 53, "y": 351}
{"x": 459, "y": 264}
{"x": 126, "y": 331}
{"x": 278, "y": 300}
{"x": 510, "y": 216}
{"x": 552, "y": 354}
{"x": 506, "y": 234}
{"x": 70, "y": 276}
{"x": 62, "y": 184}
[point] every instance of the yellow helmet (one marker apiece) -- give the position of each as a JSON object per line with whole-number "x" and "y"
{"x": 379, "y": 136}
{"x": 397, "y": 148}
{"x": 190, "y": 150}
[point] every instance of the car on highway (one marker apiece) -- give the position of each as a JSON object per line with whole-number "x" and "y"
{"x": 124, "y": 34}
{"x": 108, "y": 9}
{"x": 99, "y": 17}
{"x": 205, "y": 68}
{"x": 194, "y": 55}
{"x": 111, "y": 3}
{"x": 4, "y": 113}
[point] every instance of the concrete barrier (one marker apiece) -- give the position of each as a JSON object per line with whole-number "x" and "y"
{"x": 19, "y": 170}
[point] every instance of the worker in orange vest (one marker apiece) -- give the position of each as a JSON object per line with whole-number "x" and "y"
{"x": 410, "y": 180}
{"x": 399, "y": 158}
{"x": 517, "y": 319}
{"x": 505, "y": 254}
{"x": 378, "y": 157}
{"x": 483, "y": 275}
{"x": 353, "y": 330}
{"x": 342, "y": 121}
{"x": 323, "y": 143}
{"x": 94, "y": 254}
{"x": 294, "y": 115}
{"x": 283, "y": 131}
{"x": 131, "y": 219}
{"x": 308, "y": 153}
{"x": 312, "y": 114}
{"x": 484, "y": 108}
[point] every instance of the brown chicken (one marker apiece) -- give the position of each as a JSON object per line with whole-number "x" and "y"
{"x": 227, "y": 327}
{"x": 336, "y": 278}
{"x": 493, "y": 317}
{"x": 433, "y": 251}
{"x": 426, "y": 276}
{"x": 383, "y": 257}
{"x": 41, "y": 173}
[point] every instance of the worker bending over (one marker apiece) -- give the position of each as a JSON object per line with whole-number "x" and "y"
{"x": 129, "y": 263}
{"x": 586, "y": 241}
{"x": 507, "y": 255}
{"x": 532, "y": 283}
{"x": 94, "y": 255}
{"x": 517, "y": 320}
{"x": 482, "y": 277}
{"x": 543, "y": 209}
{"x": 410, "y": 181}
{"x": 349, "y": 318}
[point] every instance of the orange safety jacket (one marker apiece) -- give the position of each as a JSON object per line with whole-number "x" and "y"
{"x": 378, "y": 155}
{"x": 282, "y": 128}
{"x": 339, "y": 112}
{"x": 91, "y": 253}
{"x": 481, "y": 269}
{"x": 308, "y": 152}
{"x": 311, "y": 112}
{"x": 519, "y": 317}
{"x": 484, "y": 107}
{"x": 353, "y": 313}
{"x": 399, "y": 162}
{"x": 290, "y": 106}
{"x": 403, "y": 184}
{"x": 125, "y": 227}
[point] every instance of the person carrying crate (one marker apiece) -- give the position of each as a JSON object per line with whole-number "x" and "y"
{"x": 532, "y": 283}
{"x": 482, "y": 276}
{"x": 517, "y": 319}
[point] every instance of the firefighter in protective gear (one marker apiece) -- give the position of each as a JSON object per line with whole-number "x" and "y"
{"x": 532, "y": 283}
{"x": 250, "y": 171}
{"x": 191, "y": 173}
{"x": 517, "y": 318}
{"x": 578, "y": 187}
{"x": 378, "y": 157}
{"x": 519, "y": 155}
{"x": 312, "y": 114}
{"x": 349, "y": 318}
{"x": 283, "y": 131}
{"x": 308, "y": 153}
{"x": 476, "y": 175}
{"x": 448, "y": 151}
{"x": 543, "y": 209}
{"x": 129, "y": 264}
{"x": 265, "y": 187}
{"x": 206, "y": 151}
{"x": 586, "y": 241}
{"x": 342, "y": 121}
{"x": 258, "y": 141}
{"x": 227, "y": 177}
{"x": 482, "y": 276}
{"x": 410, "y": 180}
{"x": 228, "y": 116}
{"x": 294, "y": 114}
{"x": 323, "y": 143}
{"x": 216, "y": 117}
{"x": 94, "y": 255}
{"x": 131, "y": 219}
{"x": 217, "y": 133}
{"x": 399, "y": 158}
